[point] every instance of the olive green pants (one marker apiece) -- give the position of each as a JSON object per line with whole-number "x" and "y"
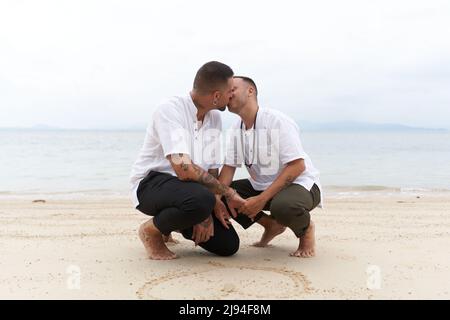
{"x": 290, "y": 207}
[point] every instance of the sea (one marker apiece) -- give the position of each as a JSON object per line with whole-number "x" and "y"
{"x": 75, "y": 163}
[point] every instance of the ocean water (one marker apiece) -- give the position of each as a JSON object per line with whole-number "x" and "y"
{"x": 73, "y": 163}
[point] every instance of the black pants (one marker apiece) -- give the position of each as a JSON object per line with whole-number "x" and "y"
{"x": 179, "y": 205}
{"x": 290, "y": 207}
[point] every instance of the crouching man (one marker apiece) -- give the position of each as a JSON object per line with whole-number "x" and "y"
{"x": 288, "y": 185}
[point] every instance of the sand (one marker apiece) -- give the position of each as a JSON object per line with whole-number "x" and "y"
{"x": 372, "y": 247}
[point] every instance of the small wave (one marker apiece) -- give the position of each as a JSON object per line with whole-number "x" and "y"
{"x": 362, "y": 189}
{"x": 424, "y": 190}
{"x": 415, "y": 190}
{"x": 343, "y": 192}
{"x": 69, "y": 195}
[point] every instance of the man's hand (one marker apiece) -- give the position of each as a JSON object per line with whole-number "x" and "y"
{"x": 203, "y": 231}
{"x": 234, "y": 201}
{"x": 253, "y": 206}
{"x": 221, "y": 212}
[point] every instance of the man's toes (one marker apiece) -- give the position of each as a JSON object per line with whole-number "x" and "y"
{"x": 308, "y": 254}
{"x": 295, "y": 254}
{"x": 164, "y": 257}
{"x": 260, "y": 244}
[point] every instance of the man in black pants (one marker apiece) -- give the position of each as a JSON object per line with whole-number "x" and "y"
{"x": 174, "y": 178}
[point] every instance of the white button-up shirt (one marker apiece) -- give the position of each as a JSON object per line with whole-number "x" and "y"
{"x": 277, "y": 143}
{"x": 174, "y": 129}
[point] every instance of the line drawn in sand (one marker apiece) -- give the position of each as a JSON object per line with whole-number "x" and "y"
{"x": 226, "y": 282}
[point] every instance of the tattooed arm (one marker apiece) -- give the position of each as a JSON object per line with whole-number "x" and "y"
{"x": 186, "y": 170}
{"x": 256, "y": 204}
{"x": 214, "y": 173}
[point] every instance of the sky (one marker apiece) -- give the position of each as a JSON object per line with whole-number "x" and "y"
{"x": 107, "y": 64}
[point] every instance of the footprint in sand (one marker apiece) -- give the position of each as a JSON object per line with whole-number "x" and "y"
{"x": 228, "y": 282}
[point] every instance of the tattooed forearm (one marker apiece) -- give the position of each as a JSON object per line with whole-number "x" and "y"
{"x": 214, "y": 173}
{"x": 191, "y": 172}
{"x": 208, "y": 180}
{"x": 184, "y": 166}
{"x": 184, "y": 162}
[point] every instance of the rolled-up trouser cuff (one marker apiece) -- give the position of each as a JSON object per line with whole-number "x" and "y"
{"x": 245, "y": 221}
{"x": 301, "y": 232}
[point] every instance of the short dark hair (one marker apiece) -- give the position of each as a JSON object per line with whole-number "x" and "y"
{"x": 212, "y": 76}
{"x": 250, "y": 82}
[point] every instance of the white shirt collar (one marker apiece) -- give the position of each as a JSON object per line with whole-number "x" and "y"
{"x": 193, "y": 109}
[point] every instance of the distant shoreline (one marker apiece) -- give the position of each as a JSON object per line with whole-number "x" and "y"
{"x": 305, "y": 126}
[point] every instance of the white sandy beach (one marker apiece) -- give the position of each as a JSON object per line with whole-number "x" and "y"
{"x": 403, "y": 241}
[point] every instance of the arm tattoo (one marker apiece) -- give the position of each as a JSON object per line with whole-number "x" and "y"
{"x": 206, "y": 223}
{"x": 214, "y": 173}
{"x": 184, "y": 165}
{"x": 209, "y": 181}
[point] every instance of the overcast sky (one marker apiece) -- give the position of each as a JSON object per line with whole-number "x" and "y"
{"x": 86, "y": 64}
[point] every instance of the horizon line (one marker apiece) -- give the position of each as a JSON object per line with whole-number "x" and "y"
{"x": 304, "y": 124}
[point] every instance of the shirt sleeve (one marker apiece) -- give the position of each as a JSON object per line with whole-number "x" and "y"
{"x": 290, "y": 147}
{"x": 169, "y": 126}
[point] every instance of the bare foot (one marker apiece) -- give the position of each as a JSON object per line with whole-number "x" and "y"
{"x": 271, "y": 230}
{"x": 170, "y": 240}
{"x": 154, "y": 243}
{"x": 306, "y": 245}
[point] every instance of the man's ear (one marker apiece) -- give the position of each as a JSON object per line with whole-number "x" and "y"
{"x": 251, "y": 91}
{"x": 216, "y": 97}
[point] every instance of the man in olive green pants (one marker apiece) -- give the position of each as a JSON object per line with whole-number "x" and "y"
{"x": 287, "y": 185}
{"x": 290, "y": 207}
